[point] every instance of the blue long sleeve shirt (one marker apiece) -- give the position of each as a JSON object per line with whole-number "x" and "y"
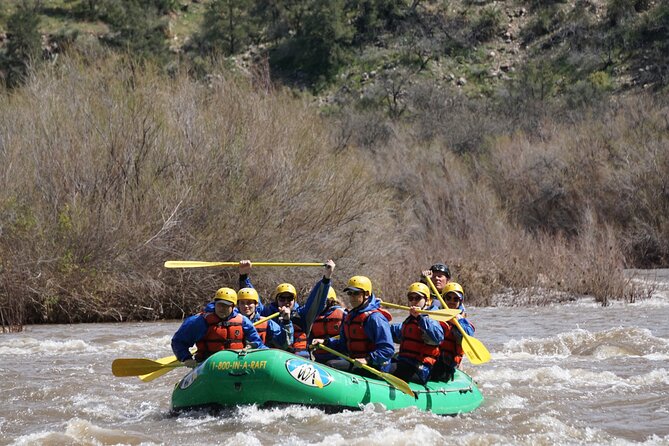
{"x": 314, "y": 305}
{"x": 195, "y": 327}
{"x": 432, "y": 332}
{"x": 377, "y": 329}
{"x": 466, "y": 326}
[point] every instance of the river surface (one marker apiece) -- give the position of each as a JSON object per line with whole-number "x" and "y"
{"x": 559, "y": 375}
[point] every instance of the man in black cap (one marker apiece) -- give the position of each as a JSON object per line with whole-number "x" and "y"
{"x": 440, "y": 275}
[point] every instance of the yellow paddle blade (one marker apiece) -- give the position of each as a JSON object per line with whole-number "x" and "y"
{"x": 138, "y": 366}
{"x": 473, "y": 348}
{"x": 198, "y": 264}
{"x": 157, "y": 374}
{"x": 393, "y": 380}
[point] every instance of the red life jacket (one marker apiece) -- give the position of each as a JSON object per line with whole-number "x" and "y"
{"x": 450, "y": 349}
{"x": 413, "y": 346}
{"x": 328, "y": 326}
{"x": 299, "y": 337}
{"x": 262, "y": 330}
{"x": 357, "y": 342}
{"x": 220, "y": 335}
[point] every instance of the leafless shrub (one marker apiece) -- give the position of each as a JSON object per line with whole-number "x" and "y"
{"x": 119, "y": 169}
{"x": 366, "y": 129}
{"x": 443, "y": 113}
{"x": 110, "y": 169}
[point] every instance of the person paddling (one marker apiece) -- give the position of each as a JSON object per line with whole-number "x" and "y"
{"x": 273, "y": 334}
{"x": 327, "y": 325}
{"x": 302, "y": 317}
{"x": 450, "y": 350}
{"x": 365, "y": 334}
{"x": 419, "y": 337}
{"x": 440, "y": 274}
{"x": 224, "y": 329}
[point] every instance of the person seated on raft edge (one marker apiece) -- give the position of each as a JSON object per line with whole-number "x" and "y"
{"x": 450, "y": 350}
{"x": 223, "y": 329}
{"x": 419, "y": 337}
{"x": 302, "y": 317}
{"x": 440, "y": 274}
{"x": 365, "y": 333}
{"x": 327, "y": 325}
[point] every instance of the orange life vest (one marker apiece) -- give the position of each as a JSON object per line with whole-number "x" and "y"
{"x": 413, "y": 346}
{"x": 221, "y": 335}
{"x": 357, "y": 342}
{"x": 450, "y": 349}
{"x": 299, "y": 337}
{"x": 328, "y": 326}
{"x": 262, "y": 330}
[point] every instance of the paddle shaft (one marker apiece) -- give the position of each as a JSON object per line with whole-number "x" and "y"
{"x": 442, "y": 315}
{"x": 396, "y": 382}
{"x": 266, "y": 318}
{"x": 198, "y": 264}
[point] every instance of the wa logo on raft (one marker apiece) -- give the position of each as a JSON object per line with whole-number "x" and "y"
{"x": 308, "y": 373}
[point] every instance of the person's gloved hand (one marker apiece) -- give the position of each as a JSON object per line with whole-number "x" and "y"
{"x": 191, "y": 363}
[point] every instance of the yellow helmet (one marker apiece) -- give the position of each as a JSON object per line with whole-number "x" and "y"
{"x": 285, "y": 288}
{"x": 419, "y": 288}
{"x": 248, "y": 294}
{"x": 356, "y": 283}
{"x": 452, "y": 287}
{"x": 227, "y": 295}
{"x": 332, "y": 294}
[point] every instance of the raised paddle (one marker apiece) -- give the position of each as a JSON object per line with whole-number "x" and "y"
{"x": 393, "y": 380}
{"x": 170, "y": 362}
{"x": 438, "y": 315}
{"x": 198, "y": 264}
{"x": 473, "y": 348}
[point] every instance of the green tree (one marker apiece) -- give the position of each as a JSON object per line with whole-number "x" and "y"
{"x": 320, "y": 47}
{"x": 24, "y": 46}
{"x": 374, "y": 16}
{"x": 227, "y": 27}
{"x": 137, "y": 27}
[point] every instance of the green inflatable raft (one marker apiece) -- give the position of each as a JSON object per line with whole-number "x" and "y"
{"x": 270, "y": 377}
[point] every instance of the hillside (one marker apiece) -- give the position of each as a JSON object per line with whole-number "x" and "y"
{"x": 478, "y": 46}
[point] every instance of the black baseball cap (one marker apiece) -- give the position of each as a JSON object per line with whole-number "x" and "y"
{"x": 441, "y": 267}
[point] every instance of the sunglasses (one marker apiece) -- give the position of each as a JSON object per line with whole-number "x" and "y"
{"x": 354, "y": 293}
{"x": 415, "y": 297}
{"x": 285, "y": 298}
{"x": 452, "y": 297}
